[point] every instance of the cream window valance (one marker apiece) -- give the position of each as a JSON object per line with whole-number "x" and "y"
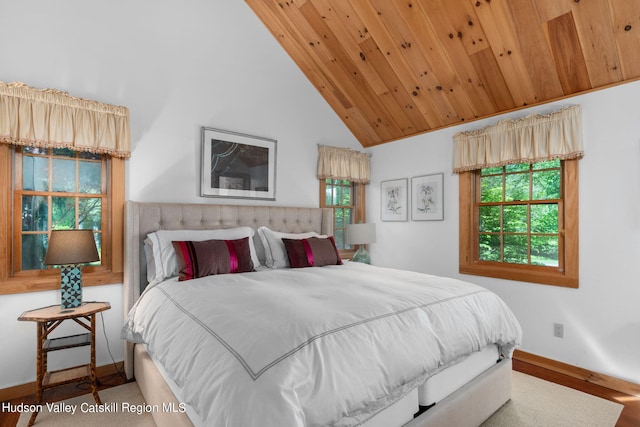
{"x": 51, "y": 118}
{"x": 343, "y": 163}
{"x": 530, "y": 139}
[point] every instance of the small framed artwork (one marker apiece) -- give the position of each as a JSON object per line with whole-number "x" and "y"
{"x": 427, "y": 197}
{"x": 237, "y": 165}
{"x": 394, "y": 200}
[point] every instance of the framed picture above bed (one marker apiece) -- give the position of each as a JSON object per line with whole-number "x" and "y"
{"x": 236, "y": 165}
{"x": 427, "y": 197}
{"x": 394, "y": 200}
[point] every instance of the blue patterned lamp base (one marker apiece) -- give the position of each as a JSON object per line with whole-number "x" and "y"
{"x": 361, "y": 255}
{"x": 70, "y": 286}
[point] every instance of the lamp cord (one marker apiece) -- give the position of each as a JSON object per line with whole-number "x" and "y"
{"x": 82, "y": 385}
{"x": 115, "y": 365}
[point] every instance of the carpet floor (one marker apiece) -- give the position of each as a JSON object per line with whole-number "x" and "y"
{"x": 534, "y": 403}
{"x": 539, "y": 403}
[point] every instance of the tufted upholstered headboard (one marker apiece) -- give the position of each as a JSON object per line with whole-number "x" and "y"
{"x": 144, "y": 218}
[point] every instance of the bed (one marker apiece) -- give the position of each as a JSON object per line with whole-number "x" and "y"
{"x": 329, "y": 345}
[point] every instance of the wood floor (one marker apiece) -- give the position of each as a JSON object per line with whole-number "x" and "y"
{"x": 630, "y": 416}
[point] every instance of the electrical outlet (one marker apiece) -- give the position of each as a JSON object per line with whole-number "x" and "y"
{"x": 558, "y": 330}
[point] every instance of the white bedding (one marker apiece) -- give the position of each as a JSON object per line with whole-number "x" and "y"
{"x": 316, "y": 346}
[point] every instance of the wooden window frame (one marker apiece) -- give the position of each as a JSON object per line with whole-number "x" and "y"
{"x": 566, "y": 274}
{"x": 359, "y": 209}
{"x": 49, "y": 279}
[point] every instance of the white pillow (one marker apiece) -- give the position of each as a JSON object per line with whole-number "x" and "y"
{"x": 151, "y": 263}
{"x": 164, "y": 256}
{"x": 275, "y": 252}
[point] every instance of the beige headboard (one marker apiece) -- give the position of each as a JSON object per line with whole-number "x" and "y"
{"x": 144, "y": 218}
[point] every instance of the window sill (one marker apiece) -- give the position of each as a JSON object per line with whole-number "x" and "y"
{"x": 346, "y": 254}
{"x": 50, "y": 282}
{"x": 542, "y": 275}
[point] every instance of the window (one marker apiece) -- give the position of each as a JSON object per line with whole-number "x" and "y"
{"x": 56, "y": 189}
{"x": 347, "y": 200}
{"x": 518, "y": 208}
{"x": 520, "y": 222}
{"x": 45, "y": 189}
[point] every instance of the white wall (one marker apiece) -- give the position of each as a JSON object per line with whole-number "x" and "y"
{"x": 177, "y": 66}
{"x": 601, "y": 318}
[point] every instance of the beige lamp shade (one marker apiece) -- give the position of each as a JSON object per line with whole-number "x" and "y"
{"x": 361, "y": 234}
{"x": 71, "y": 247}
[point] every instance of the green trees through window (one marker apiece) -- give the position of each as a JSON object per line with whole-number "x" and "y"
{"x": 339, "y": 195}
{"x": 518, "y": 210}
{"x": 61, "y": 189}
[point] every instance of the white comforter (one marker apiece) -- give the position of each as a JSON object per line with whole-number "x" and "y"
{"x": 315, "y": 346}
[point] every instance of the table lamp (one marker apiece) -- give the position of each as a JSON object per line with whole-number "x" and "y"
{"x": 361, "y": 234}
{"x": 68, "y": 248}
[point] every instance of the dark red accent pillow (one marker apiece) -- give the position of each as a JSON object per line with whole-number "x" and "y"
{"x": 312, "y": 252}
{"x": 209, "y": 257}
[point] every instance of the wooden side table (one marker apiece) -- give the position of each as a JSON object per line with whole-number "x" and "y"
{"x": 48, "y": 319}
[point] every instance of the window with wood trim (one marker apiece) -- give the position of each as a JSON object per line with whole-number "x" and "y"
{"x": 347, "y": 200}
{"x": 43, "y": 189}
{"x": 520, "y": 222}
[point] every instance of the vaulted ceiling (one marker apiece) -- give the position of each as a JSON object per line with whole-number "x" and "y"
{"x": 395, "y": 68}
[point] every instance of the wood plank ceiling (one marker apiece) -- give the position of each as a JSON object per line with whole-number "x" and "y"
{"x": 395, "y": 68}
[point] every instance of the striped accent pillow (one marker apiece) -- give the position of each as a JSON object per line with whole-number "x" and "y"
{"x": 209, "y": 257}
{"x": 312, "y": 252}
